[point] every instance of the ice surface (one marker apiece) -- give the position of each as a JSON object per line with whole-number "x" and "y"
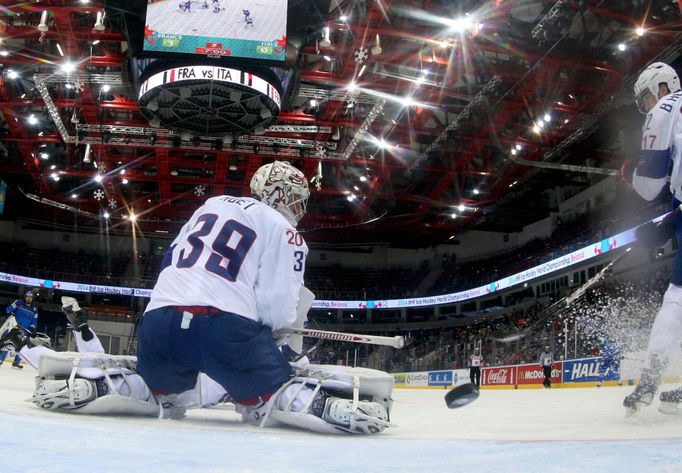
{"x": 558, "y": 430}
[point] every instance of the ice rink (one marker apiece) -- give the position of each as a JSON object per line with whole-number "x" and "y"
{"x": 558, "y": 430}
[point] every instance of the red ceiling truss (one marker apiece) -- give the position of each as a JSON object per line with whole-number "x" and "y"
{"x": 570, "y": 73}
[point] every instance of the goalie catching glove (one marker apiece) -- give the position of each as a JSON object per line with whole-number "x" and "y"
{"x": 76, "y": 317}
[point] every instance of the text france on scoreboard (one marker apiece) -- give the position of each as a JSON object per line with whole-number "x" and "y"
{"x": 236, "y": 28}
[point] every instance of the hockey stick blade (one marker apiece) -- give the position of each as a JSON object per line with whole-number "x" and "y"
{"x": 460, "y": 396}
{"x": 396, "y": 342}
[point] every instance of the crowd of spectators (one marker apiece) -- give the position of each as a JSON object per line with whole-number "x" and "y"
{"x": 518, "y": 336}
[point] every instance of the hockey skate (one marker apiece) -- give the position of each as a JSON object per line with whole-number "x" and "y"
{"x": 339, "y": 411}
{"x": 17, "y": 365}
{"x": 66, "y": 394}
{"x": 643, "y": 395}
{"x": 671, "y": 402}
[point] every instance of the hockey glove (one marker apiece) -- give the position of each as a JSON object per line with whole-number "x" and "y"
{"x": 654, "y": 235}
{"x": 32, "y": 332}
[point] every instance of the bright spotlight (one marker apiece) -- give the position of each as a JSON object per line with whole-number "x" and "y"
{"x": 351, "y": 198}
{"x": 132, "y": 217}
{"x": 124, "y": 181}
{"x": 352, "y": 86}
{"x": 32, "y": 120}
{"x": 461, "y": 207}
{"x": 313, "y": 103}
{"x": 518, "y": 147}
{"x": 98, "y": 178}
{"x": 106, "y": 88}
{"x": 68, "y": 67}
{"x": 327, "y": 58}
{"x": 407, "y": 101}
{"x": 639, "y": 31}
{"x": 453, "y": 215}
{"x": 536, "y": 129}
{"x": 343, "y": 18}
{"x": 622, "y": 47}
{"x": 74, "y": 196}
{"x": 476, "y": 192}
{"x": 460, "y": 25}
{"x": 44, "y": 156}
{"x": 547, "y": 117}
{"x": 105, "y": 215}
{"x": 363, "y": 179}
{"x": 513, "y": 151}
{"x": 12, "y": 74}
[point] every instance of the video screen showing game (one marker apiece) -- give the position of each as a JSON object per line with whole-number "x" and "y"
{"x": 250, "y": 29}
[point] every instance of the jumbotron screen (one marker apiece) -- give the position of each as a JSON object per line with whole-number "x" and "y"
{"x": 250, "y": 29}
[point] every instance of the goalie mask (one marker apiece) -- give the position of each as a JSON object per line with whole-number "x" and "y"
{"x": 650, "y": 79}
{"x": 282, "y": 187}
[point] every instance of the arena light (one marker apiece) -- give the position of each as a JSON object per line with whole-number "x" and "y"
{"x": 363, "y": 179}
{"x": 352, "y": 86}
{"x": 124, "y": 181}
{"x": 547, "y": 118}
{"x": 622, "y": 47}
{"x": 106, "y": 215}
{"x": 98, "y": 178}
{"x": 106, "y": 88}
{"x": 74, "y": 196}
{"x": 351, "y": 198}
{"x": 32, "y": 119}
{"x": 44, "y": 156}
{"x": 461, "y": 207}
{"x": 407, "y": 101}
{"x": 327, "y": 58}
{"x": 59, "y": 50}
{"x": 12, "y": 74}
{"x": 54, "y": 176}
{"x": 476, "y": 192}
{"x": 4, "y": 53}
{"x": 640, "y": 31}
{"x": 132, "y": 217}
{"x": 513, "y": 151}
{"x": 122, "y": 171}
{"x": 99, "y": 22}
{"x": 53, "y": 167}
{"x": 536, "y": 129}
{"x": 518, "y": 147}
{"x": 453, "y": 215}
{"x": 461, "y": 24}
{"x": 68, "y": 67}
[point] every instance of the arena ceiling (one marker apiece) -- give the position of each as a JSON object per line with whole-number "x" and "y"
{"x": 415, "y": 120}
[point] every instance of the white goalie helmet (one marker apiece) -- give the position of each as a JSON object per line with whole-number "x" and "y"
{"x": 282, "y": 187}
{"x": 649, "y": 80}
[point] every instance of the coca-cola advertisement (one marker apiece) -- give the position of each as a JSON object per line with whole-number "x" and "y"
{"x": 532, "y": 374}
{"x": 498, "y": 376}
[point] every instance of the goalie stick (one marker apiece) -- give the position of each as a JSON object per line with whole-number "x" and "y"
{"x": 395, "y": 342}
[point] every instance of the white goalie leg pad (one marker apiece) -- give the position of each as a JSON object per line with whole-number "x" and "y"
{"x": 333, "y": 400}
{"x": 90, "y": 383}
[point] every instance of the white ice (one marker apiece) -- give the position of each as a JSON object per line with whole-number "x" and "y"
{"x": 558, "y": 430}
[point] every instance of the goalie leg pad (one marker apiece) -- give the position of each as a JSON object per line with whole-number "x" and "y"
{"x": 330, "y": 400}
{"x": 92, "y": 384}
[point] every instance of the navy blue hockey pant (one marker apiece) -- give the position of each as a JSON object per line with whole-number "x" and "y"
{"x": 176, "y": 343}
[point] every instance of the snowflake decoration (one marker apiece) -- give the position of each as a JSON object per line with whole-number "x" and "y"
{"x": 320, "y": 152}
{"x": 99, "y": 194}
{"x": 112, "y": 203}
{"x": 79, "y": 85}
{"x": 199, "y": 191}
{"x": 361, "y": 55}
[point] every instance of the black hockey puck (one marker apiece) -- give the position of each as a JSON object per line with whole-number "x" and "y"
{"x": 461, "y": 395}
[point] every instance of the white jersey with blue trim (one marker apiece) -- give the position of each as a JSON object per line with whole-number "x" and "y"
{"x": 238, "y": 255}
{"x": 661, "y": 148}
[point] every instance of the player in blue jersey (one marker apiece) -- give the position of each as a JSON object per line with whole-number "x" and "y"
{"x": 25, "y": 315}
{"x": 658, "y": 95}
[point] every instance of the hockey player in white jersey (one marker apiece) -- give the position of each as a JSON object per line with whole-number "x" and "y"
{"x": 191, "y": 354}
{"x": 658, "y": 94}
{"x": 231, "y": 277}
